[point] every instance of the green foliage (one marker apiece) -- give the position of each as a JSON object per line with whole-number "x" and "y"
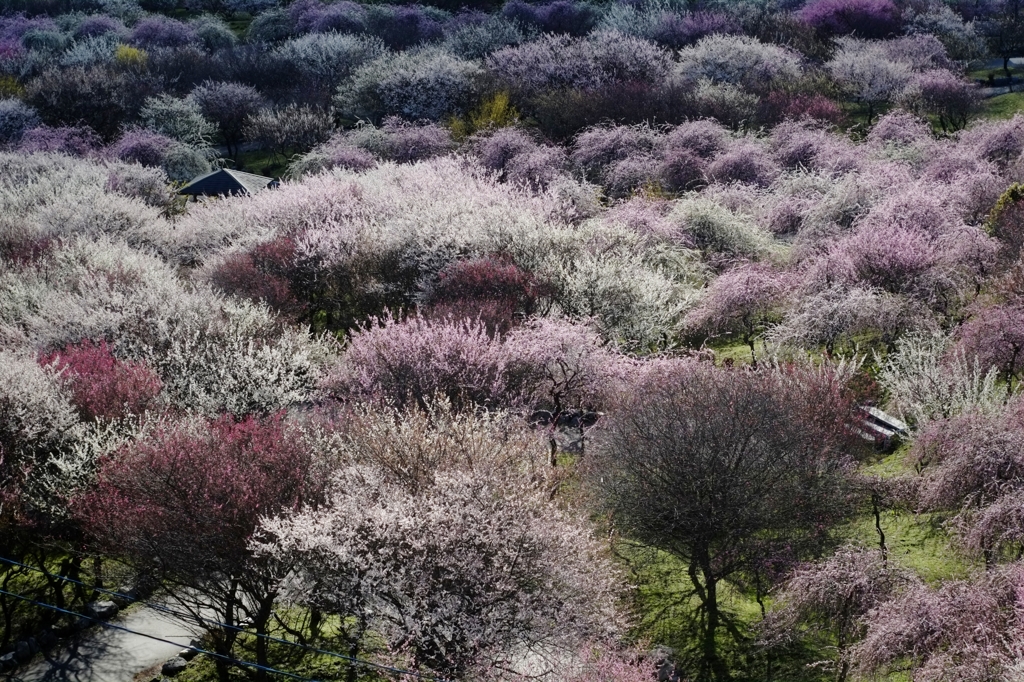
{"x": 1012, "y": 196}
{"x": 130, "y": 57}
{"x": 496, "y": 111}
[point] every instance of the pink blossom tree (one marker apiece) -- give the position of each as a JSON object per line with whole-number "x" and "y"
{"x": 744, "y": 300}
{"x": 995, "y": 336}
{"x": 963, "y": 629}
{"x": 830, "y": 599}
{"x": 410, "y": 361}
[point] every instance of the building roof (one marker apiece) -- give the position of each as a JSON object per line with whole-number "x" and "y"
{"x": 226, "y": 182}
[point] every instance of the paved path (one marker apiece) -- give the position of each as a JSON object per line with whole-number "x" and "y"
{"x": 102, "y": 654}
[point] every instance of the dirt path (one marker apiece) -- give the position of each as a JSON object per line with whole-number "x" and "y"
{"x": 102, "y": 654}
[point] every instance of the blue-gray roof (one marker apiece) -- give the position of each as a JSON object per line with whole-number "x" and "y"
{"x": 226, "y": 182}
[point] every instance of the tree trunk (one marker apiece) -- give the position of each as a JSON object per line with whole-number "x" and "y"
{"x": 260, "y": 623}
{"x": 706, "y": 587}
{"x": 224, "y": 644}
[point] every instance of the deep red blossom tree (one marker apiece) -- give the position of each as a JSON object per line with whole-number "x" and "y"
{"x": 266, "y": 274}
{"x": 494, "y": 290}
{"x": 103, "y": 387}
{"x": 182, "y": 505}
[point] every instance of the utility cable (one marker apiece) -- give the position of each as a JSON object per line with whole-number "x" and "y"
{"x": 198, "y": 650}
{"x": 197, "y": 620}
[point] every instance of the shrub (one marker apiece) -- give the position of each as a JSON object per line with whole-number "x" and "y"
{"x": 103, "y": 387}
{"x": 178, "y": 119}
{"x": 323, "y": 60}
{"x": 428, "y": 84}
{"x": 292, "y": 128}
{"x": 495, "y": 292}
{"x": 158, "y": 31}
{"x": 943, "y": 95}
{"x": 724, "y": 102}
{"x": 738, "y": 60}
{"x": 747, "y": 163}
{"x": 867, "y": 73}
{"x": 249, "y": 275}
{"x": 559, "y": 17}
{"x": 132, "y": 57}
{"x": 402, "y": 27}
{"x": 718, "y": 231}
{"x": 310, "y": 16}
{"x": 36, "y": 413}
{"x": 213, "y": 33}
{"x": 398, "y": 140}
{"x": 476, "y": 40}
{"x": 98, "y": 96}
{"x": 15, "y": 118}
{"x": 91, "y": 51}
{"x": 411, "y": 361}
{"x": 866, "y": 18}
{"x": 551, "y": 62}
{"x": 271, "y": 26}
{"x": 99, "y": 25}
{"x": 72, "y": 141}
{"x": 141, "y": 146}
{"x": 599, "y": 147}
{"x": 228, "y": 106}
{"x": 703, "y": 137}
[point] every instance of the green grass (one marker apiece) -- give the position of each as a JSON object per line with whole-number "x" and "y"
{"x": 1004, "y": 106}
{"x": 262, "y": 162}
{"x": 323, "y": 667}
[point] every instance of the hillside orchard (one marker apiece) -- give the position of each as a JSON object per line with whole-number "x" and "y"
{"x": 548, "y": 358}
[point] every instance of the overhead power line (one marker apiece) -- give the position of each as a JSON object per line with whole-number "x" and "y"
{"x": 191, "y": 618}
{"x": 198, "y": 650}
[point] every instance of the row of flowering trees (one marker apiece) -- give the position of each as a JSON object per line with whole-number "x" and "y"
{"x": 142, "y": 87}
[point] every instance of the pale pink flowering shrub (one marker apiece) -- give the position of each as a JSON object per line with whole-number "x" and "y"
{"x": 460, "y": 574}
{"x": 998, "y": 141}
{"x": 703, "y": 137}
{"x": 741, "y": 300}
{"x": 73, "y": 141}
{"x": 559, "y": 365}
{"x": 899, "y": 127}
{"x": 963, "y": 630}
{"x": 830, "y": 600}
{"x": 995, "y": 336}
{"x": 870, "y": 18}
{"x": 746, "y": 163}
{"x": 553, "y": 62}
{"x": 738, "y": 60}
{"x": 412, "y": 360}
